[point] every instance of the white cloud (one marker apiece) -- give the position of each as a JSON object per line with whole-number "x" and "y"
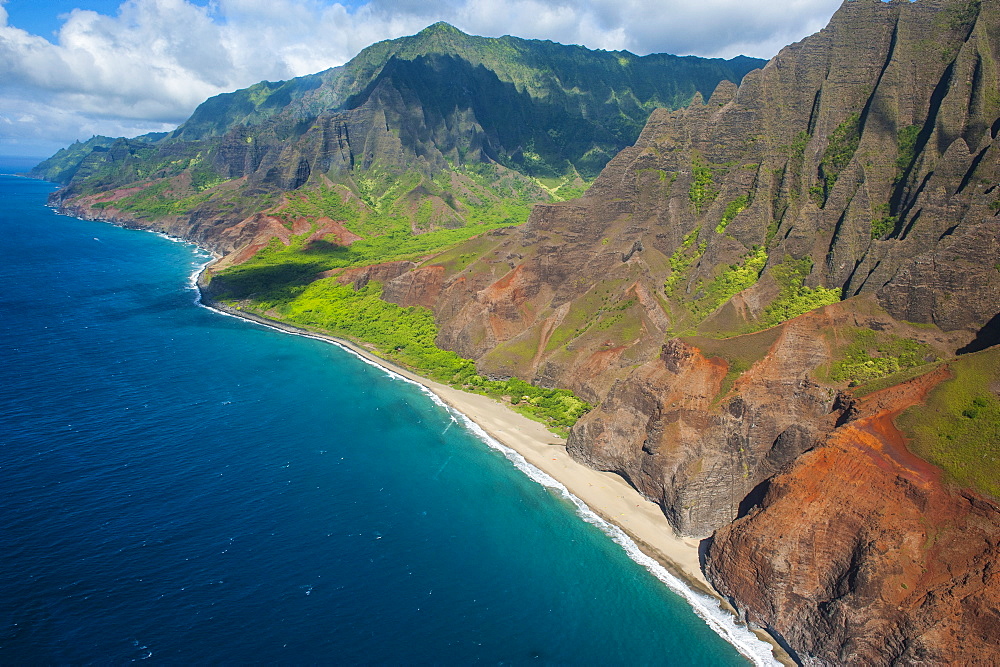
{"x": 148, "y": 66}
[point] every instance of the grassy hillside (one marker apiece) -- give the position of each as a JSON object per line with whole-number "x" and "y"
{"x": 959, "y": 427}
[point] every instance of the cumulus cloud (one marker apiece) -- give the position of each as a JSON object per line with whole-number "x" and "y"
{"x": 149, "y": 65}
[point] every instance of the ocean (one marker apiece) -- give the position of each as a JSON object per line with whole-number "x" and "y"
{"x": 181, "y": 486}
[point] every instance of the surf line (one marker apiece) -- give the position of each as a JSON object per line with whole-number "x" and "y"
{"x": 722, "y": 622}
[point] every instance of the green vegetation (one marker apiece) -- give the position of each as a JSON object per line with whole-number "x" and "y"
{"x": 158, "y": 199}
{"x": 686, "y": 254}
{"x": 896, "y": 378}
{"x": 277, "y": 268}
{"x": 793, "y": 168}
{"x": 884, "y": 226}
{"x": 794, "y": 298}
{"x": 958, "y": 428}
{"x": 385, "y": 223}
{"x": 961, "y": 15}
{"x": 797, "y": 149}
{"x": 324, "y": 201}
{"x": 872, "y": 355}
{"x": 386, "y": 202}
{"x": 63, "y": 166}
{"x": 702, "y": 191}
{"x": 906, "y": 143}
{"x": 734, "y": 279}
{"x": 585, "y": 312}
{"x": 613, "y": 315}
{"x": 843, "y": 143}
{"x": 406, "y": 336}
{"x": 733, "y": 209}
{"x": 737, "y": 367}
{"x": 567, "y": 187}
{"x": 739, "y": 353}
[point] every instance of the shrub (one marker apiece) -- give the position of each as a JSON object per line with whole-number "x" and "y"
{"x": 702, "y": 191}
{"x": 733, "y": 209}
{"x": 794, "y": 298}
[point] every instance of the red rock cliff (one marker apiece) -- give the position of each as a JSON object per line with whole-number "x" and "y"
{"x": 861, "y": 554}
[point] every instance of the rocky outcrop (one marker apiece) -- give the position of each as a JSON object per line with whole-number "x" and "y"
{"x": 862, "y": 555}
{"x": 701, "y": 447}
{"x": 665, "y": 430}
{"x": 361, "y": 276}
{"x": 420, "y": 287}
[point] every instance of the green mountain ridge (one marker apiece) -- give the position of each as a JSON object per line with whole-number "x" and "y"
{"x": 437, "y": 131}
{"x": 609, "y": 94}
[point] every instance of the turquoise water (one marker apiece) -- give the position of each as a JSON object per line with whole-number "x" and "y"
{"x": 185, "y": 487}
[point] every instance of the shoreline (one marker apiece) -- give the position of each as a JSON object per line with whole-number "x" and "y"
{"x": 612, "y": 501}
{"x": 607, "y": 494}
{"x": 601, "y": 498}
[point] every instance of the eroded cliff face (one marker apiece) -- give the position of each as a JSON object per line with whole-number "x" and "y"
{"x": 854, "y": 151}
{"x": 862, "y": 554}
{"x": 700, "y": 438}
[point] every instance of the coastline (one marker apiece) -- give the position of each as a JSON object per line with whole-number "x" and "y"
{"x": 612, "y": 501}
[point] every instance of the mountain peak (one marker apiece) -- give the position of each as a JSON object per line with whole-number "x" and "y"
{"x": 440, "y": 28}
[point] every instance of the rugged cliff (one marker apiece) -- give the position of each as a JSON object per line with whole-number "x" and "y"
{"x": 862, "y": 554}
{"x": 841, "y": 168}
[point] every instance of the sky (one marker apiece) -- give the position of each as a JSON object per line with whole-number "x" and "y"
{"x": 70, "y": 69}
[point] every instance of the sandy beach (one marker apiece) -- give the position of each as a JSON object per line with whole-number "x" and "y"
{"x": 607, "y": 495}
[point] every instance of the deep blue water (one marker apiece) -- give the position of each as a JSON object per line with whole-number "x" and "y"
{"x": 186, "y": 487}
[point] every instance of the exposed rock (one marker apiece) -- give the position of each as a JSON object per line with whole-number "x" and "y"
{"x": 420, "y": 287}
{"x": 860, "y": 554}
{"x": 361, "y": 276}
{"x": 669, "y": 428}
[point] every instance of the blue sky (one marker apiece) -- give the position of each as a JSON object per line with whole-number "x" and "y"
{"x": 70, "y": 69}
{"x": 41, "y": 17}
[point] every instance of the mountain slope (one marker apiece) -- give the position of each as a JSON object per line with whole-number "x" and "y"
{"x": 400, "y": 113}
{"x": 725, "y": 218}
